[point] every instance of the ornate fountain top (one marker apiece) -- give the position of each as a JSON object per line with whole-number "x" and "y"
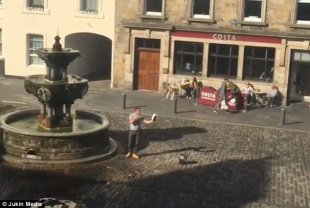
{"x": 57, "y": 60}
{"x": 57, "y": 45}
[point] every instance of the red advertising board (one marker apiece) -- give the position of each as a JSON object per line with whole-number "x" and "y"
{"x": 208, "y": 96}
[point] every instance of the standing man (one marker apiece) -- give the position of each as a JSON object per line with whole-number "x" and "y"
{"x": 135, "y": 121}
{"x": 222, "y": 95}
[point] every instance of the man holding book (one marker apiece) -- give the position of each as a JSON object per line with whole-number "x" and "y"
{"x": 135, "y": 121}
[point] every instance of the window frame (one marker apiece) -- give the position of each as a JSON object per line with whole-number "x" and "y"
{"x": 36, "y": 10}
{"x": 295, "y": 14}
{"x": 183, "y": 52}
{"x": 88, "y": 14}
{"x": 31, "y": 50}
{"x": 197, "y": 16}
{"x": 252, "y": 20}
{"x": 231, "y": 57}
{"x": 265, "y": 75}
{"x": 83, "y": 7}
{"x": 152, "y": 15}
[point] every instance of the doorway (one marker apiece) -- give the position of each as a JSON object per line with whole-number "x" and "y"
{"x": 147, "y": 64}
{"x": 299, "y": 76}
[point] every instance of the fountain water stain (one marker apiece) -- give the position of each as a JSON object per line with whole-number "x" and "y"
{"x": 54, "y": 136}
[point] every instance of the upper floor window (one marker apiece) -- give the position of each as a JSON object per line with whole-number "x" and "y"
{"x": 153, "y": 7}
{"x": 89, "y": 6}
{"x": 1, "y": 3}
{"x": 254, "y": 10}
{"x": 302, "y": 12}
{"x": 35, "y": 4}
{"x": 201, "y": 9}
{"x": 34, "y": 42}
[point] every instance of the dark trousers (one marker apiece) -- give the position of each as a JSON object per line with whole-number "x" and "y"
{"x": 133, "y": 140}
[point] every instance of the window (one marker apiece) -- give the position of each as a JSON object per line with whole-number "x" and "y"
{"x": 34, "y": 42}
{"x": 35, "y": 4}
{"x": 153, "y": 7}
{"x": 223, "y": 60}
{"x": 258, "y": 63}
{"x": 201, "y": 9}
{"x": 302, "y": 12}
{"x": 89, "y": 6}
{"x": 1, "y": 3}
{"x": 301, "y": 56}
{"x": 188, "y": 58}
{"x": 254, "y": 10}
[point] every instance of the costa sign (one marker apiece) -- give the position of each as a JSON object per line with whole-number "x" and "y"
{"x": 220, "y": 36}
{"x": 208, "y": 95}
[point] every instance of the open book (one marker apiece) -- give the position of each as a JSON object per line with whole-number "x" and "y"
{"x": 138, "y": 120}
{"x": 154, "y": 117}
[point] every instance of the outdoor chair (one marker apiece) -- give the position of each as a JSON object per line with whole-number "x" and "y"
{"x": 170, "y": 89}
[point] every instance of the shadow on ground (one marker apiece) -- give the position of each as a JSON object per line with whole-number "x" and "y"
{"x": 227, "y": 184}
{"x": 231, "y": 183}
{"x": 155, "y": 134}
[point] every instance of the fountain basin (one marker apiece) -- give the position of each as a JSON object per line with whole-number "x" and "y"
{"x": 24, "y": 142}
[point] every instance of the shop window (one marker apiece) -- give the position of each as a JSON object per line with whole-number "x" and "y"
{"x": 223, "y": 60}
{"x": 153, "y": 7}
{"x": 34, "y": 42}
{"x": 258, "y": 63}
{"x": 253, "y": 10}
{"x": 302, "y": 12}
{"x": 188, "y": 58}
{"x": 201, "y": 9}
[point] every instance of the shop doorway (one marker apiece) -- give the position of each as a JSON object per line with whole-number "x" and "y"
{"x": 146, "y": 76}
{"x": 299, "y": 85}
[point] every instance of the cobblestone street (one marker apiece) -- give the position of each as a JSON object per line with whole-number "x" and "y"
{"x": 227, "y": 166}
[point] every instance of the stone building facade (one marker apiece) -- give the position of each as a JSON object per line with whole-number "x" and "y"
{"x": 264, "y": 42}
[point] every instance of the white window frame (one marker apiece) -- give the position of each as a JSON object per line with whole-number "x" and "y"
{"x": 301, "y": 22}
{"x": 31, "y": 51}
{"x": 80, "y": 12}
{"x": 36, "y": 10}
{"x": 200, "y": 16}
{"x": 152, "y": 13}
{"x": 84, "y": 10}
{"x": 253, "y": 18}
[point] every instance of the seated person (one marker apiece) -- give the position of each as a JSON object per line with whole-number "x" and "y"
{"x": 190, "y": 88}
{"x": 248, "y": 92}
{"x": 273, "y": 96}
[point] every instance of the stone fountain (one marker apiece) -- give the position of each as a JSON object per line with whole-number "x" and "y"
{"x": 53, "y": 135}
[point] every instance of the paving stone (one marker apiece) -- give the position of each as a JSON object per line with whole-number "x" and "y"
{"x": 228, "y": 166}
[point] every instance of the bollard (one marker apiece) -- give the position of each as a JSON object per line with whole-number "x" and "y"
{"x": 124, "y": 101}
{"x": 175, "y": 105}
{"x": 283, "y": 112}
{"x": 196, "y": 94}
